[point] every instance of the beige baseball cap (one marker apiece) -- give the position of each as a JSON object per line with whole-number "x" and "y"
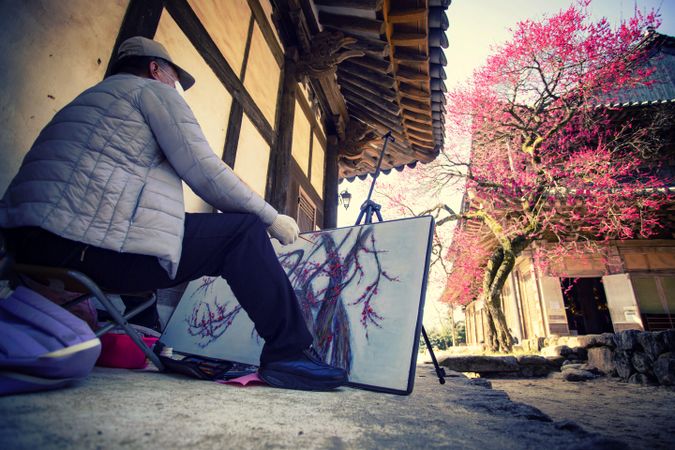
{"x": 141, "y": 46}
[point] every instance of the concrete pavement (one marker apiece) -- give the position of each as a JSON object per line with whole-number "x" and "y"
{"x": 145, "y": 410}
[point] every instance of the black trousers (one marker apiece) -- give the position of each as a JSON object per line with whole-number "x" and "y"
{"x": 231, "y": 245}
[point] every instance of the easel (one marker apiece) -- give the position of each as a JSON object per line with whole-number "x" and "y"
{"x": 368, "y": 208}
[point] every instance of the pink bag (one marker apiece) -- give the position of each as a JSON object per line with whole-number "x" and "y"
{"x": 118, "y": 350}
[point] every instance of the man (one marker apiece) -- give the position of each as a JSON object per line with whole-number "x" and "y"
{"x": 100, "y": 191}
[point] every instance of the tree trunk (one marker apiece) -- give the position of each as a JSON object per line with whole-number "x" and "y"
{"x": 494, "y": 263}
{"x": 499, "y": 267}
{"x": 503, "y": 341}
{"x": 492, "y": 333}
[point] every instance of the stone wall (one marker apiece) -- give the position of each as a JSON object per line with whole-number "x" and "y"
{"x": 634, "y": 356}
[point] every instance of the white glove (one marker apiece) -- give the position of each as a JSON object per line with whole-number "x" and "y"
{"x": 284, "y": 229}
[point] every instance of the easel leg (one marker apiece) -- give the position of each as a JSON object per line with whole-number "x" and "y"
{"x": 440, "y": 372}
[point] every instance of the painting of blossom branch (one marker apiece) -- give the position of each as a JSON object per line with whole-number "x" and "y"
{"x": 360, "y": 290}
{"x": 210, "y": 319}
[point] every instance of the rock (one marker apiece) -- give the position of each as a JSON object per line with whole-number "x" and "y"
{"x": 567, "y": 352}
{"x": 532, "y": 360}
{"x": 559, "y": 350}
{"x": 627, "y": 340}
{"x": 652, "y": 346}
{"x": 572, "y": 356}
{"x": 667, "y": 339}
{"x": 534, "y": 366}
{"x": 571, "y": 366}
{"x": 555, "y": 361}
{"x": 577, "y": 375}
{"x": 590, "y": 368}
{"x": 452, "y": 374}
{"x": 480, "y": 382}
{"x": 481, "y": 364}
{"x": 608, "y": 340}
{"x": 582, "y": 353}
{"x": 581, "y": 366}
{"x": 588, "y": 340}
{"x": 641, "y": 362}
{"x": 601, "y": 357}
{"x": 570, "y": 341}
{"x": 596, "y": 340}
{"x": 624, "y": 368}
{"x": 555, "y": 376}
{"x": 551, "y": 341}
{"x": 664, "y": 369}
{"x": 641, "y": 378}
{"x": 574, "y": 361}
{"x": 535, "y": 371}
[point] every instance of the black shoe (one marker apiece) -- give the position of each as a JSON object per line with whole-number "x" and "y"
{"x": 304, "y": 371}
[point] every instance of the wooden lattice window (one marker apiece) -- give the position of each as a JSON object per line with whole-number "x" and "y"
{"x": 306, "y": 212}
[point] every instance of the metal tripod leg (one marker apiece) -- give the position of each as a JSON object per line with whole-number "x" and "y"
{"x": 440, "y": 372}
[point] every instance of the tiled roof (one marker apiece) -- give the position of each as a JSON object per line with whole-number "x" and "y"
{"x": 397, "y": 84}
{"x": 661, "y": 51}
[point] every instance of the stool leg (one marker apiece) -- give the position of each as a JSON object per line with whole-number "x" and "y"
{"x": 118, "y": 317}
{"x": 130, "y": 315}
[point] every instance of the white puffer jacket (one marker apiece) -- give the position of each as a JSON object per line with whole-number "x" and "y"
{"x": 107, "y": 170}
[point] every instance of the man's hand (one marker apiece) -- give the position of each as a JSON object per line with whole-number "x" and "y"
{"x": 284, "y": 229}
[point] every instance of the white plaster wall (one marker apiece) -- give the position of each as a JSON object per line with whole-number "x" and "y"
{"x": 208, "y": 98}
{"x": 253, "y": 156}
{"x": 623, "y": 308}
{"x": 302, "y": 131}
{"x": 553, "y": 301}
{"x": 318, "y": 164}
{"x": 50, "y": 51}
{"x": 530, "y": 292}
{"x": 511, "y": 308}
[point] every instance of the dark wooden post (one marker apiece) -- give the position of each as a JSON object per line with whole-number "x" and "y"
{"x": 330, "y": 184}
{"x": 190, "y": 24}
{"x": 279, "y": 170}
{"x": 140, "y": 19}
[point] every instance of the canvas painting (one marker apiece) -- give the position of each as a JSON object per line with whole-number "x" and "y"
{"x": 361, "y": 290}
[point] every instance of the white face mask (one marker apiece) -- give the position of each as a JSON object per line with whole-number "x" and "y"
{"x": 179, "y": 88}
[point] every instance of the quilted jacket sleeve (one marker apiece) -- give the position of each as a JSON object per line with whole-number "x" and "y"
{"x": 182, "y": 141}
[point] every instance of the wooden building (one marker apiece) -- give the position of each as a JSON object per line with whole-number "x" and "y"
{"x": 632, "y": 286}
{"x": 294, "y": 94}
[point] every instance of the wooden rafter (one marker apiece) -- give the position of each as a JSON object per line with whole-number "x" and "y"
{"x": 389, "y": 88}
{"x": 366, "y": 5}
{"x": 375, "y": 64}
{"x": 407, "y": 15}
{"x": 388, "y": 94}
{"x": 388, "y": 110}
{"x": 370, "y": 27}
{"x": 385, "y": 81}
{"x": 364, "y": 90}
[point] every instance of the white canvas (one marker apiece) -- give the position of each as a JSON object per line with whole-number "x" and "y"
{"x": 369, "y": 278}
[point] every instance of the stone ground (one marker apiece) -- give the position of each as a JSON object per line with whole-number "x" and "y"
{"x": 117, "y": 408}
{"x": 641, "y": 416}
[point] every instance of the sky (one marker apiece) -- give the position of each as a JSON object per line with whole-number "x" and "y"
{"x": 475, "y": 27}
